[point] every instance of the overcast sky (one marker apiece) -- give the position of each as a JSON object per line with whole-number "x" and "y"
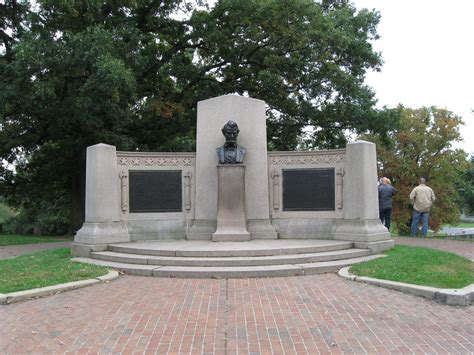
{"x": 428, "y": 52}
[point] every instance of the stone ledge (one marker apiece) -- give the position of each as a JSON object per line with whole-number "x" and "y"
{"x": 452, "y": 297}
{"x": 18, "y": 296}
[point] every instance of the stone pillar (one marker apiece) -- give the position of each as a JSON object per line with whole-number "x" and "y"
{"x": 361, "y": 221}
{"x": 102, "y": 224}
{"x": 249, "y": 114}
{"x": 231, "y": 220}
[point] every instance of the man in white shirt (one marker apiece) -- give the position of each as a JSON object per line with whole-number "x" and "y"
{"x": 422, "y": 198}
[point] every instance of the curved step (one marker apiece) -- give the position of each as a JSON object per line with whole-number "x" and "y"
{"x": 196, "y": 248}
{"x": 230, "y": 261}
{"x": 229, "y": 272}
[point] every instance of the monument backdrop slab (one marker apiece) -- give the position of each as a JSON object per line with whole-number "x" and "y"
{"x": 212, "y": 115}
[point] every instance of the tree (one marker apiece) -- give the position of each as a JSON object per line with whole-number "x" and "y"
{"x": 421, "y": 146}
{"x": 305, "y": 60}
{"x": 466, "y": 189}
{"x": 130, "y": 73}
{"x": 13, "y": 22}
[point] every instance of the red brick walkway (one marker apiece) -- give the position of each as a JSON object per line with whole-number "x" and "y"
{"x": 294, "y": 315}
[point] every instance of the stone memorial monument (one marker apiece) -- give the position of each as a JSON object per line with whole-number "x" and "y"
{"x": 238, "y": 194}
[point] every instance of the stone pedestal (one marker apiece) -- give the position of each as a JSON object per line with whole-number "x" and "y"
{"x": 231, "y": 220}
{"x": 102, "y": 224}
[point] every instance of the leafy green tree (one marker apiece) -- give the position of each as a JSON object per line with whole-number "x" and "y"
{"x": 130, "y": 73}
{"x": 305, "y": 60}
{"x": 421, "y": 146}
{"x": 13, "y": 22}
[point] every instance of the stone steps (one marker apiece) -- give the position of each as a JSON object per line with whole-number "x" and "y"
{"x": 195, "y": 248}
{"x": 231, "y": 260}
{"x": 206, "y": 259}
{"x": 230, "y": 271}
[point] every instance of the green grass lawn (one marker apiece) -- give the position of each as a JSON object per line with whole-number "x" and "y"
{"x": 16, "y": 239}
{"x": 45, "y": 268}
{"x": 419, "y": 266}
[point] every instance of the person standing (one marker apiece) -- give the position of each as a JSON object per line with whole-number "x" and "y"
{"x": 386, "y": 191}
{"x": 422, "y": 197}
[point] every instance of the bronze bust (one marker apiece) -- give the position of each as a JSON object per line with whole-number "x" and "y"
{"x": 231, "y": 152}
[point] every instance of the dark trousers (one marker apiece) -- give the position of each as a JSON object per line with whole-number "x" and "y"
{"x": 385, "y": 215}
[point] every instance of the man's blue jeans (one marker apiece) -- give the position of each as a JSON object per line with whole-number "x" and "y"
{"x": 425, "y": 216}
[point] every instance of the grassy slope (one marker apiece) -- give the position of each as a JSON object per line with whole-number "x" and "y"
{"x": 45, "y": 268}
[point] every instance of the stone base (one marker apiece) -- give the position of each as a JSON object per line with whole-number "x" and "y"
{"x": 361, "y": 230}
{"x": 202, "y": 229}
{"x": 231, "y": 237}
{"x": 156, "y": 229}
{"x": 102, "y": 233}
{"x": 261, "y": 229}
{"x": 376, "y": 247}
{"x": 85, "y": 250}
{"x": 304, "y": 228}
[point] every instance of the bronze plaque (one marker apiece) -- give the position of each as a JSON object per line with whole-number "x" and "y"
{"x": 308, "y": 190}
{"x": 155, "y": 191}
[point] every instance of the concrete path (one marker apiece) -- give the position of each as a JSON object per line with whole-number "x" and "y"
{"x": 11, "y": 251}
{"x": 464, "y": 248}
{"x": 457, "y": 231}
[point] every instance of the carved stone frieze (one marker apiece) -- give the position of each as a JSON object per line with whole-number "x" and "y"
{"x": 307, "y": 159}
{"x": 155, "y": 161}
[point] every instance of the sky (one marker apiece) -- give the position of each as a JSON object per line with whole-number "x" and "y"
{"x": 428, "y": 53}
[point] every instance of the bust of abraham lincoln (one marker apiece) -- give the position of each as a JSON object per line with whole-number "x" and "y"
{"x": 231, "y": 152}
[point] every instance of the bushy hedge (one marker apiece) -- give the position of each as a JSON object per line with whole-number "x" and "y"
{"x": 44, "y": 221}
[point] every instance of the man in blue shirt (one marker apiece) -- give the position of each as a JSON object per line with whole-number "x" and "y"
{"x": 386, "y": 191}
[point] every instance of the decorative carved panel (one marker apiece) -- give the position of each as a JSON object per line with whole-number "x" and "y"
{"x": 307, "y": 159}
{"x": 155, "y": 161}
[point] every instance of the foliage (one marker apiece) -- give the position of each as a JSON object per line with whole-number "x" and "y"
{"x": 421, "y": 146}
{"x": 6, "y": 212}
{"x": 15, "y": 239}
{"x": 299, "y": 57}
{"x": 130, "y": 73}
{"x": 44, "y": 268}
{"x": 466, "y": 189}
{"x": 419, "y": 266}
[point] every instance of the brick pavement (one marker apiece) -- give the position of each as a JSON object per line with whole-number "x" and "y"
{"x": 293, "y": 315}
{"x": 464, "y": 248}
